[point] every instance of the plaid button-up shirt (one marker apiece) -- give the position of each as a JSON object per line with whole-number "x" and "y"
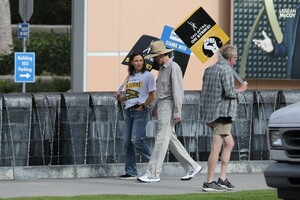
{"x": 218, "y": 95}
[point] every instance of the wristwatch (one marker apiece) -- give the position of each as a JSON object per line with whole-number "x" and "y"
{"x": 143, "y": 106}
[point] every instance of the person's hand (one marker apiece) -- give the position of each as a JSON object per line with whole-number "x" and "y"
{"x": 243, "y": 87}
{"x": 154, "y": 111}
{"x": 140, "y": 108}
{"x": 118, "y": 96}
{"x": 265, "y": 44}
{"x": 176, "y": 120}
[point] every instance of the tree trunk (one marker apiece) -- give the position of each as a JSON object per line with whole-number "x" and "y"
{"x": 6, "y": 42}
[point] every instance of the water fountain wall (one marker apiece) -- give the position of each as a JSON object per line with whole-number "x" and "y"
{"x": 16, "y": 129}
{"x": 242, "y": 127}
{"x": 45, "y": 137}
{"x": 86, "y": 128}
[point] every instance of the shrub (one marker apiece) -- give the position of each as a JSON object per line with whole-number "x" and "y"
{"x": 8, "y": 87}
{"x": 45, "y": 12}
{"x": 52, "y": 84}
{"x": 7, "y": 64}
{"x": 52, "y": 54}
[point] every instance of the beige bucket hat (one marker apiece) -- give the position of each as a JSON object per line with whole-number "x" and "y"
{"x": 157, "y": 48}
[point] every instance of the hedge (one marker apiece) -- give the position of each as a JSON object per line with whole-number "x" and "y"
{"x": 52, "y": 54}
{"x": 51, "y": 84}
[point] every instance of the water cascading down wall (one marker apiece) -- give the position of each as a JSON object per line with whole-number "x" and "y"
{"x": 45, "y": 129}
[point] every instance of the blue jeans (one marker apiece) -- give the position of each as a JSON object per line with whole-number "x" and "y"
{"x": 134, "y": 133}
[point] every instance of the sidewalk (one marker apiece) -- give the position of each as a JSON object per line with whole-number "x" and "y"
{"x": 113, "y": 185}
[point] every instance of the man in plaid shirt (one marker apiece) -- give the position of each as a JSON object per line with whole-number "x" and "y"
{"x": 218, "y": 109}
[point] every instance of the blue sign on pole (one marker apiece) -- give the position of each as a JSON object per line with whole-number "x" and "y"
{"x": 23, "y": 30}
{"x": 181, "y": 53}
{"x": 25, "y": 67}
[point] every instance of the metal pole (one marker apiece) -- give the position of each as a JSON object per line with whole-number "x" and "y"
{"x": 24, "y": 39}
{"x": 24, "y": 50}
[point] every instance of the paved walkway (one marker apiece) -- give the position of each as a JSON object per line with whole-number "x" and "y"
{"x": 113, "y": 185}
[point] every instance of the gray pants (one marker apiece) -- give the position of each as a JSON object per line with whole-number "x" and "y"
{"x": 166, "y": 138}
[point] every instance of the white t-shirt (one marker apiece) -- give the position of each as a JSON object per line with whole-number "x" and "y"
{"x": 138, "y": 87}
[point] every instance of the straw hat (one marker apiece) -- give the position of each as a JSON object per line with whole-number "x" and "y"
{"x": 157, "y": 48}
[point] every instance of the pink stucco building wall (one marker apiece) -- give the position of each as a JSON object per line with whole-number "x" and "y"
{"x": 113, "y": 27}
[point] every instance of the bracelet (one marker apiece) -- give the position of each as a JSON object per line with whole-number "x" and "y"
{"x": 143, "y": 106}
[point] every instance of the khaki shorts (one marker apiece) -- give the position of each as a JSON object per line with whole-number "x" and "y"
{"x": 220, "y": 127}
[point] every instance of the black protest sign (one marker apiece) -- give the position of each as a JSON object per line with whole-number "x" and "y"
{"x": 142, "y": 46}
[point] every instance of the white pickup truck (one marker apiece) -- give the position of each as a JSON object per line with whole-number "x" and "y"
{"x": 284, "y": 140}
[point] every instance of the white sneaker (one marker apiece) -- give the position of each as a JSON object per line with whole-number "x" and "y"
{"x": 147, "y": 179}
{"x": 191, "y": 174}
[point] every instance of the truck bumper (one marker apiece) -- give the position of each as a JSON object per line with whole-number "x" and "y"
{"x": 285, "y": 177}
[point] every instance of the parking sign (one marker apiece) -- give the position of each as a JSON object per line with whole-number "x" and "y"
{"x": 25, "y": 67}
{"x": 23, "y": 30}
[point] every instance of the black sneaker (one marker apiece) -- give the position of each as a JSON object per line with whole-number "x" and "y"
{"x": 213, "y": 187}
{"x": 127, "y": 176}
{"x": 226, "y": 184}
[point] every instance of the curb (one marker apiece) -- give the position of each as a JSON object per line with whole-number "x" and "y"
{"x": 111, "y": 170}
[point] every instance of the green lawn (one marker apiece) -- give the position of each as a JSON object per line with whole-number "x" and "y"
{"x": 244, "y": 195}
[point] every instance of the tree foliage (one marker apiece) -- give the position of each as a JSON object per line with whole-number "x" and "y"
{"x": 47, "y": 12}
{"x": 52, "y": 52}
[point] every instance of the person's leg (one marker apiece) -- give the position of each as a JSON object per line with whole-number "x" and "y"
{"x": 181, "y": 154}
{"x": 219, "y": 134}
{"x": 138, "y": 133}
{"x": 213, "y": 157}
{"x": 130, "y": 163}
{"x": 162, "y": 139}
{"x": 226, "y": 153}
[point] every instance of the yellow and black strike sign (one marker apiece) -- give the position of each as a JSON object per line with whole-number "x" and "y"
{"x": 201, "y": 34}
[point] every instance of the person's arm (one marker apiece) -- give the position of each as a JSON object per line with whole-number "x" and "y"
{"x": 177, "y": 90}
{"x": 151, "y": 86}
{"x": 150, "y": 99}
{"x": 229, "y": 87}
{"x": 120, "y": 97}
{"x": 243, "y": 87}
{"x": 283, "y": 49}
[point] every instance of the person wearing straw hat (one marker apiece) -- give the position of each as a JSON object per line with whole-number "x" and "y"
{"x": 168, "y": 111}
